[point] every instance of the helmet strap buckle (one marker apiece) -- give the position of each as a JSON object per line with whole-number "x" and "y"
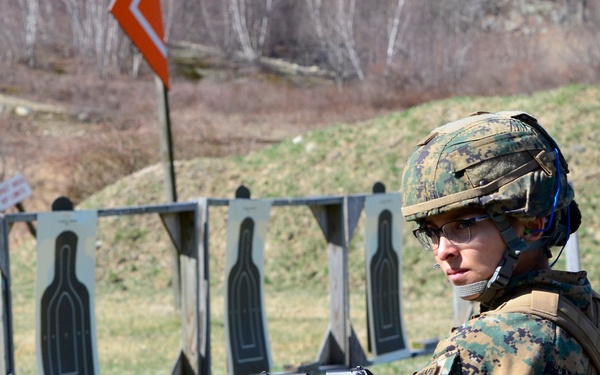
{"x": 504, "y": 270}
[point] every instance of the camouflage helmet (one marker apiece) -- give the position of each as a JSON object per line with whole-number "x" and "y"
{"x": 503, "y": 162}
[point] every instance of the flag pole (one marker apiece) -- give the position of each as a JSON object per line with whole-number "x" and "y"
{"x": 166, "y": 140}
{"x": 166, "y": 150}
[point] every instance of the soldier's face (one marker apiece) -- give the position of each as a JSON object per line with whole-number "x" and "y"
{"x": 475, "y": 260}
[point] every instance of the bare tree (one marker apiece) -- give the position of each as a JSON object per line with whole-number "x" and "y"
{"x": 263, "y": 25}
{"x": 334, "y": 27}
{"x": 80, "y": 38}
{"x": 106, "y": 35}
{"x": 238, "y": 10}
{"x": 208, "y": 21}
{"x": 11, "y": 21}
{"x": 169, "y": 12}
{"x": 345, "y": 27}
{"x": 249, "y": 20}
{"x": 95, "y": 33}
{"x": 31, "y": 24}
{"x": 393, "y": 34}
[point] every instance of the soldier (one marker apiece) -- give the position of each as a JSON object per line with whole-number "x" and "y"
{"x": 491, "y": 198}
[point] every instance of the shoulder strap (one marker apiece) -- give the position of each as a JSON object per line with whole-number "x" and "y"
{"x": 564, "y": 313}
{"x": 595, "y": 318}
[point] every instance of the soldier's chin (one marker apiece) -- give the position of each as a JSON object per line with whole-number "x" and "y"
{"x": 471, "y": 297}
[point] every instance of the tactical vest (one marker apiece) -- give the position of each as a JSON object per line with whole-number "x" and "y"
{"x": 562, "y": 312}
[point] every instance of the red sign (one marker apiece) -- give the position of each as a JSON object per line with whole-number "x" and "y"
{"x": 142, "y": 21}
{"x": 13, "y": 191}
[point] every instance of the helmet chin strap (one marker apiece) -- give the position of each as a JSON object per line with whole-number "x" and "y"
{"x": 485, "y": 290}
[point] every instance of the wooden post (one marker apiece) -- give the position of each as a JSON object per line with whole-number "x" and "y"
{"x": 187, "y": 225}
{"x": 187, "y": 230}
{"x": 338, "y": 221}
{"x": 335, "y": 347}
{"x": 6, "y": 328}
{"x": 166, "y": 151}
{"x": 30, "y": 225}
{"x": 166, "y": 141}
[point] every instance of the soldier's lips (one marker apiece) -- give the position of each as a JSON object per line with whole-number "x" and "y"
{"x": 456, "y": 275}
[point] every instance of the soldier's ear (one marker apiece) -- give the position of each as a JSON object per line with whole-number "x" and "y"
{"x": 534, "y": 229}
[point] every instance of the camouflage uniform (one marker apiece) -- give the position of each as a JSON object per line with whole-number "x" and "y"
{"x": 507, "y": 165}
{"x": 515, "y": 343}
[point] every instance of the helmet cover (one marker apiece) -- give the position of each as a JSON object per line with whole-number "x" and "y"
{"x": 504, "y": 162}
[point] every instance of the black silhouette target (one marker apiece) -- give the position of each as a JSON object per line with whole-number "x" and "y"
{"x": 66, "y": 342}
{"x": 385, "y": 290}
{"x": 245, "y": 314}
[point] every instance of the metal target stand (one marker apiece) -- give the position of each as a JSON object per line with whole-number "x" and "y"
{"x": 188, "y": 226}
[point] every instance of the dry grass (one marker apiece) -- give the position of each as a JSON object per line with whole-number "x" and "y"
{"x": 227, "y": 134}
{"x": 347, "y": 159}
{"x": 109, "y": 128}
{"x": 139, "y": 331}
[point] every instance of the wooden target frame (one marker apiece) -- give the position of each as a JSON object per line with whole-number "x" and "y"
{"x": 188, "y": 225}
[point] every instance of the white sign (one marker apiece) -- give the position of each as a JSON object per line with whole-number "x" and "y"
{"x": 13, "y": 191}
{"x": 65, "y": 321}
{"x": 248, "y": 346}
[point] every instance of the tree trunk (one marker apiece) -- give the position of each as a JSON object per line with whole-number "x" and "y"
{"x": 31, "y": 30}
{"x": 391, "y": 48}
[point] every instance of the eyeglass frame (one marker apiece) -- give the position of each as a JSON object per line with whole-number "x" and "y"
{"x": 440, "y": 230}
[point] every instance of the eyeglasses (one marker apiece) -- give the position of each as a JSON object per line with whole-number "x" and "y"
{"x": 458, "y": 232}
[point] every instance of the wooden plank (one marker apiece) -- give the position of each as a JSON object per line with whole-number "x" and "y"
{"x": 3, "y": 334}
{"x": 189, "y": 311}
{"x": 332, "y": 212}
{"x": 189, "y": 206}
{"x": 122, "y": 211}
{"x": 335, "y": 349}
{"x": 5, "y": 337}
{"x": 6, "y": 328}
{"x": 172, "y": 223}
{"x": 202, "y": 223}
{"x": 353, "y": 207}
{"x": 4, "y": 252}
{"x": 181, "y": 366}
{"x": 194, "y": 296}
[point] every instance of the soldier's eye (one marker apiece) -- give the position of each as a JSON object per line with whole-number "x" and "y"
{"x": 464, "y": 224}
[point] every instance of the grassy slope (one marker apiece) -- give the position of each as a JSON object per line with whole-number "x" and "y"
{"x": 347, "y": 159}
{"x": 342, "y": 159}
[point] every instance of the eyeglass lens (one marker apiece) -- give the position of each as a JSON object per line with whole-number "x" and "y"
{"x": 458, "y": 232}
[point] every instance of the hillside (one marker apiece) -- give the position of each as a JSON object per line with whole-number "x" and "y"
{"x": 90, "y": 115}
{"x": 347, "y": 159}
{"x": 133, "y": 259}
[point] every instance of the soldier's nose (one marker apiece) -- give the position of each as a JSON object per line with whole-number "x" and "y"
{"x": 446, "y": 249}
